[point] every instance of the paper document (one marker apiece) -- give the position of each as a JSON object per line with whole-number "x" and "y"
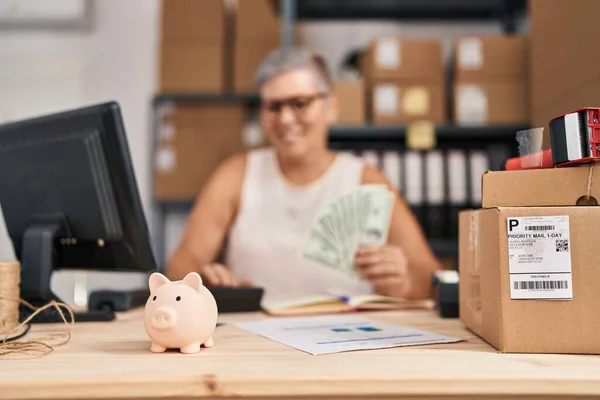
{"x": 7, "y": 251}
{"x": 336, "y": 334}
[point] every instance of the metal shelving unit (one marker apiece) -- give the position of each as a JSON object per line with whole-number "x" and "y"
{"x": 442, "y": 132}
{"x": 505, "y": 12}
{"x": 166, "y": 98}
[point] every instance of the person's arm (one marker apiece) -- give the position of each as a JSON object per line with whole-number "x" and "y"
{"x": 208, "y": 224}
{"x": 407, "y": 235}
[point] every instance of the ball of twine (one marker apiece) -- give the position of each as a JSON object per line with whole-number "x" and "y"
{"x": 10, "y": 281}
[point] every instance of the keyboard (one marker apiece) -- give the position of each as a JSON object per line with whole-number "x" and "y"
{"x": 237, "y": 299}
{"x": 51, "y": 316}
{"x": 103, "y": 304}
{"x": 229, "y": 299}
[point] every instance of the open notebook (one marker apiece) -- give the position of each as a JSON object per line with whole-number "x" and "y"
{"x": 329, "y": 303}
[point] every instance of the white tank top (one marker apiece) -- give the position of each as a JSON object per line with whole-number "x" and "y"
{"x": 274, "y": 221}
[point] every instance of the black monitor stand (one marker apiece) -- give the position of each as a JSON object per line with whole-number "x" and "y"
{"x": 37, "y": 267}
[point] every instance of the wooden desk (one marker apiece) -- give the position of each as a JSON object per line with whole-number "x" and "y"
{"x": 112, "y": 361}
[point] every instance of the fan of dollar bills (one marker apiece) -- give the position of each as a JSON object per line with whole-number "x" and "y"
{"x": 359, "y": 218}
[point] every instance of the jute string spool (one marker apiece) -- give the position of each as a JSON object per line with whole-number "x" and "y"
{"x": 10, "y": 280}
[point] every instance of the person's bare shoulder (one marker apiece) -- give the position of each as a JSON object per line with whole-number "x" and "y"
{"x": 224, "y": 186}
{"x": 372, "y": 175}
{"x": 233, "y": 165}
{"x": 229, "y": 171}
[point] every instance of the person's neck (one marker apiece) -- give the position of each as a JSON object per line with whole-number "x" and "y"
{"x": 308, "y": 169}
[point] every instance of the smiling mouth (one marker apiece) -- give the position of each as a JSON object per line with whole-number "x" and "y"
{"x": 290, "y": 137}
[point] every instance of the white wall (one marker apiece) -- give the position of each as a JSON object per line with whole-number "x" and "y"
{"x": 48, "y": 71}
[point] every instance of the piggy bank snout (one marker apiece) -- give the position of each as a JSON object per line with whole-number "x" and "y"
{"x": 164, "y": 318}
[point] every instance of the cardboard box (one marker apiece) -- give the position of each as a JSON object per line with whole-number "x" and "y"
{"x": 193, "y": 20}
{"x": 247, "y": 57}
{"x": 256, "y": 33}
{"x": 392, "y": 102}
{"x": 564, "y": 72}
{"x": 193, "y": 46}
{"x": 527, "y": 262}
{"x": 193, "y": 141}
{"x": 541, "y": 187}
{"x": 490, "y": 58}
{"x": 187, "y": 66}
{"x": 351, "y": 96}
{"x": 256, "y": 19}
{"x": 491, "y": 102}
{"x": 393, "y": 58}
{"x": 491, "y": 297}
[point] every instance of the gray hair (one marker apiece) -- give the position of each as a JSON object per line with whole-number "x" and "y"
{"x": 286, "y": 59}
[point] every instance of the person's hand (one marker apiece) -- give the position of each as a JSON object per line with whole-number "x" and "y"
{"x": 385, "y": 267}
{"x": 216, "y": 274}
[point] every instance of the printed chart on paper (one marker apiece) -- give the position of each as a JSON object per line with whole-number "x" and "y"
{"x": 335, "y": 334}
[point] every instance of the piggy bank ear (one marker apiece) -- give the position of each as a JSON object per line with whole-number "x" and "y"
{"x": 193, "y": 280}
{"x": 156, "y": 280}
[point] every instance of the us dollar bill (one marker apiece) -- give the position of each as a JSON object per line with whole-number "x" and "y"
{"x": 361, "y": 217}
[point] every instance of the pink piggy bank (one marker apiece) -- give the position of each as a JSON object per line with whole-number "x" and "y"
{"x": 180, "y": 314}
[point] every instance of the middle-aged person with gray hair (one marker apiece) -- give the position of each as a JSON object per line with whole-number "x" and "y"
{"x": 261, "y": 205}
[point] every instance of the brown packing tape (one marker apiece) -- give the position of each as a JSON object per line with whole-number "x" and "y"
{"x": 475, "y": 298}
{"x": 467, "y": 259}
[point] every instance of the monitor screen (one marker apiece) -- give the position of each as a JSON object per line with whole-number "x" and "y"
{"x": 72, "y": 171}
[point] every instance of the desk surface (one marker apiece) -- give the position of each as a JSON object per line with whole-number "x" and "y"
{"x": 112, "y": 360}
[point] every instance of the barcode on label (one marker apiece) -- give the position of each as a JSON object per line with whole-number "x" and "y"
{"x": 541, "y": 285}
{"x": 540, "y": 228}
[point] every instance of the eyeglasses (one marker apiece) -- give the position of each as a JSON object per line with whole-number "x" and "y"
{"x": 298, "y": 104}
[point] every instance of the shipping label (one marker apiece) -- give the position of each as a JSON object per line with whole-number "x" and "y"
{"x": 539, "y": 257}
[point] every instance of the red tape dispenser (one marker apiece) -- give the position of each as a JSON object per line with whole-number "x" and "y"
{"x": 574, "y": 138}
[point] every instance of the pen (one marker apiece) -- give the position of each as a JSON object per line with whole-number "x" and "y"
{"x": 339, "y": 295}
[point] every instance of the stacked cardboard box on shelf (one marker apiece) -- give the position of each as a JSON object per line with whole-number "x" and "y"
{"x": 564, "y": 71}
{"x": 405, "y": 80}
{"x": 213, "y": 46}
{"x": 351, "y": 96}
{"x": 192, "y": 141}
{"x": 207, "y": 47}
{"x": 528, "y": 262}
{"x": 192, "y": 46}
{"x": 491, "y": 80}
{"x": 256, "y": 34}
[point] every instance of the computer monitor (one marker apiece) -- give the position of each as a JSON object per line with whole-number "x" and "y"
{"x": 70, "y": 200}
